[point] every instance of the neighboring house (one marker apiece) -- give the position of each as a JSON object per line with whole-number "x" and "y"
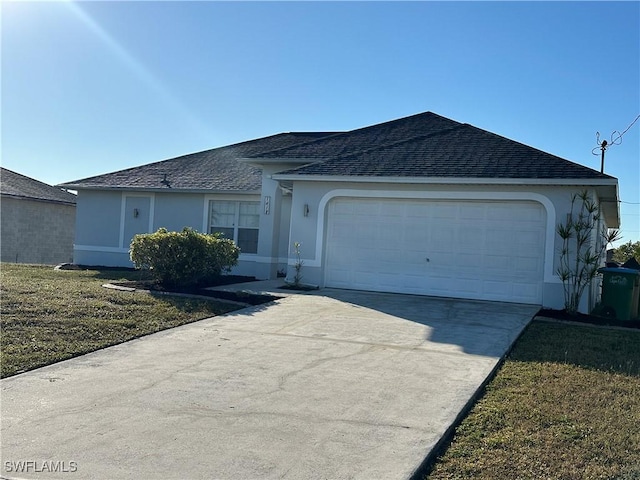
{"x": 37, "y": 221}
{"x": 422, "y": 205}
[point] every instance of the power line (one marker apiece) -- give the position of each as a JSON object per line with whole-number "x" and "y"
{"x": 614, "y": 140}
{"x": 625, "y": 130}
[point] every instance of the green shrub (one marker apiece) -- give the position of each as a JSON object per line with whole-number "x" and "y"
{"x": 183, "y": 259}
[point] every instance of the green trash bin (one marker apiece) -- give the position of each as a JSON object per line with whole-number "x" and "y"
{"x": 633, "y": 264}
{"x": 620, "y": 291}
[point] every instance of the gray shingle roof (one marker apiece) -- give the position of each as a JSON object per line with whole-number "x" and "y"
{"x": 345, "y": 143}
{"x": 458, "y": 151}
{"x": 422, "y": 145}
{"x": 13, "y": 184}
{"x": 216, "y": 169}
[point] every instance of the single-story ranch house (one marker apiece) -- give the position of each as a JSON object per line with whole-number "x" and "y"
{"x": 420, "y": 205}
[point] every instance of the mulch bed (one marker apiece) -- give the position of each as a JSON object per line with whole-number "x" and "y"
{"x": 583, "y": 318}
{"x": 244, "y": 297}
{"x": 300, "y": 288}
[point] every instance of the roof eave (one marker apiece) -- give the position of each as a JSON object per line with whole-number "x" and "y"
{"x": 607, "y": 188}
{"x": 160, "y": 190}
{"x": 610, "y": 204}
{"x": 36, "y": 199}
{"x": 448, "y": 180}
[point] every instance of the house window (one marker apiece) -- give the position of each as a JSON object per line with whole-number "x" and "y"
{"x": 237, "y": 221}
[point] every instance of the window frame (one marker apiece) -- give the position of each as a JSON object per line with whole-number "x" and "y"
{"x": 211, "y": 227}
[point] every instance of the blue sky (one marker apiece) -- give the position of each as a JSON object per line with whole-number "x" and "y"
{"x": 94, "y": 87}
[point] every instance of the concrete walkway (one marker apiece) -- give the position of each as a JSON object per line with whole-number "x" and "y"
{"x": 332, "y": 385}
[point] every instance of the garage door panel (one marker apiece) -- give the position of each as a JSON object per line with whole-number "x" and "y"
{"x": 493, "y": 289}
{"x": 370, "y": 209}
{"x": 499, "y": 213}
{"x": 526, "y": 293}
{"x": 527, "y": 266}
{"x": 341, "y": 229}
{"x": 340, "y": 278}
{"x": 459, "y": 287}
{"x": 469, "y": 260}
{"x": 390, "y": 280}
{"x": 444, "y": 210}
{"x": 412, "y": 283}
{"x": 417, "y": 212}
{"x": 365, "y": 280}
{"x": 497, "y": 263}
{"x": 414, "y": 268}
{"x": 529, "y": 213}
{"x": 391, "y": 209}
{"x": 441, "y": 262}
{"x": 391, "y": 256}
{"x": 469, "y": 237}
{"x": 471, "y": 213}
{"x": 527, "y": 237}
{"x": 388, "y": 236}
{"x": 441, "y": 241}
{"x": 499, "y": 239}
{"x": 484, "y": 250}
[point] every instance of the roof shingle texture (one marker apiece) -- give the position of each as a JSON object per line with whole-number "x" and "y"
{"x": 215, "y": 169}
{"x": 345, "y": 143}
{"x": 422, "y": 145}
{"x": 16, "y": 185}
{"x": 460, "y": 151}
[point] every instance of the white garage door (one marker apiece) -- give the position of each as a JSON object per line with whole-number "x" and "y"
{"x": 478, "y": 250}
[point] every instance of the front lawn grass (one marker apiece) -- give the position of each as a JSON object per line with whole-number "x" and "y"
{"x": 48, "y": 315}
{"x": 564, "y": 405}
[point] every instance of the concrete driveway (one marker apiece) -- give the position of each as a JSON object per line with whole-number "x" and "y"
{"x": 336, "y": 384}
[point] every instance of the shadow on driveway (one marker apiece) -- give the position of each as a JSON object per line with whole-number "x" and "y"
{"x": 334, "y": 384}
{"x": 476, "y": 327}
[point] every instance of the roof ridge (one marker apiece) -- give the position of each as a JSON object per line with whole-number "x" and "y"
{"x": 308, "y": 142}
{"x": 383, "y": 146}
{"x": 350, "y": 132}
{"x": 444, "y": 131}
{"x": 329, "y": 135}
{"x": 485, "y": 153}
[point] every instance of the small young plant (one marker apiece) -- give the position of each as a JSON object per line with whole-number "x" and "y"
{"x": 297, "y": 266}
{"x": 584, "y": 242}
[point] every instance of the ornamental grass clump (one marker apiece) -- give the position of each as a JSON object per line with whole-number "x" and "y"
{"x": 584, "y": 242}
{"x": 183, "y": 259}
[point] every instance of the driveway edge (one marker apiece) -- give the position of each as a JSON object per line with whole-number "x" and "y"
{"x": 445, "y": 440}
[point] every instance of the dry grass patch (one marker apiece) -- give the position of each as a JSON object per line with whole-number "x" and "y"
{"x": 565, "y": 405}
{"x": 48, "y": 316}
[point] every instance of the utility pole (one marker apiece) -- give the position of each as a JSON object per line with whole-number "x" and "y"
{"x": 603, "y": 147}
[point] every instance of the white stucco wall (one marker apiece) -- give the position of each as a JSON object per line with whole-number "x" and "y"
{"x": 106, "y": 222}
{"x": 34, "y": 231}
{"x": 285, "y": 228}
{"x": 174, "y": 212}
{"x": 274, "y": 225}
{"x": 310, "y": 230}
